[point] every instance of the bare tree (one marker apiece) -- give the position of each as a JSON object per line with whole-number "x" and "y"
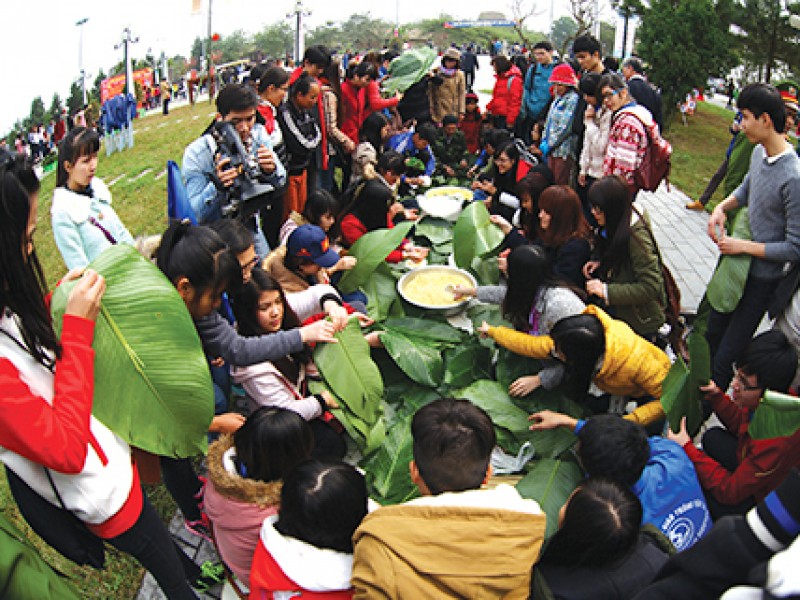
{"x": 584, "y": 12}
{"x": 521, "y": 11}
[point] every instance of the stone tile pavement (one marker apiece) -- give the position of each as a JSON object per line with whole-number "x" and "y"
{"x": 685, "y": 246}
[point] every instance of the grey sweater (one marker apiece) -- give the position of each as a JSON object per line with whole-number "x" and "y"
{"x": 771, "y": 190}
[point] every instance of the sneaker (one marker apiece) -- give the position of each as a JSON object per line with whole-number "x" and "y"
{"x": 696, "y": 205}
{"x": 200, "y": 527}
{"x": 211, "y": 574}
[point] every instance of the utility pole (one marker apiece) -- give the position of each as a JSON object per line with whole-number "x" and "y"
{"x": 80, "y": 25}
{"x": 298, "y": 14}
{"x": 125, "y": 43}
{"x": 210, "y": 71}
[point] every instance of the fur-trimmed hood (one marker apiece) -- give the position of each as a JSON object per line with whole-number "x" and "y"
{"x": 222, "y": 473}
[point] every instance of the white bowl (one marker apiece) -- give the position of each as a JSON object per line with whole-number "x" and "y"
{"x": 444, "y": 202}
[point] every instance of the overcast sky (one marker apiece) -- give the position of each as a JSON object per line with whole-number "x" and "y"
{"x": 41, "y": 41}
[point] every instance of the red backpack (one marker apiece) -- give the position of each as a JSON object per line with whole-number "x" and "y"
{"x": 656, "y": 163}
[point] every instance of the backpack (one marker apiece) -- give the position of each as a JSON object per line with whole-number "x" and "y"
{"x": 656, "y": 163}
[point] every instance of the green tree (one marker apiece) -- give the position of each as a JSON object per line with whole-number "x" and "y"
{"x": 75, "y": 99}
{"x": 684, "y": 41}
{"x": 607, "y": 36}
{"x": 178, "y": 66}
{"x": 275, "y": 40}
{"x": 233, "y": 46}
{"x": 197, "y": 51}
{"x": 96, "y": 86}
{"x": 765, "y": 36}
{"x": 37, "y": 115}
{"x": 563, "y": 32}
{"x": 55, "y": 107}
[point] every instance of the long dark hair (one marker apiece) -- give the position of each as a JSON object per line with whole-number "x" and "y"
{"x": 537, "y": 180}
{"x": 271, "y": 443}
{"x": 528, "y": 271}
{"x": 612, "y": 195}
{"x": 245, "y": 309}
{"x": 582, "y": 341}
{"x": 566, "y": 216}
{"x": 79, "y": 142}
{"x": 332, "y": 77}
{"x": 22, "y": 283}
{"x": 371, "y": 131}
{"x": 600, "y": 527}
{"x": 370, "y": 204}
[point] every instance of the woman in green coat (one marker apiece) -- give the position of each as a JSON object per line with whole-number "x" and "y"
{"x": 625, "y": 274}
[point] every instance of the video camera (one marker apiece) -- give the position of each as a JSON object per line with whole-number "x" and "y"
{"x": 249, "y": 192}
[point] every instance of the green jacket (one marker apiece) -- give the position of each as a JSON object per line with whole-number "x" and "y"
{"x": 738, "y": 163}
{"x": 25, "y": 575}
{"x": 636, "y": 287}
{"x": 450, "y": 152}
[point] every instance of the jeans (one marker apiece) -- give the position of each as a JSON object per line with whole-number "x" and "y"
{"x": 728, "y": 334}
{"x": 182, "y": 484}
{"x": 149, "y": 542}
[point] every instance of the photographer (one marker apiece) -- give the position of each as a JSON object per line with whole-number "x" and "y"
{"x": 208, "y": 175}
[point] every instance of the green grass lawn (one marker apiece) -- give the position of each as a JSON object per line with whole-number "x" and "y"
{"x": 141, "y": 204}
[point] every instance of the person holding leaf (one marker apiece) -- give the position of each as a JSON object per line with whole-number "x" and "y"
{"x": 71, "y": 476}
{"x": 735, "y": 470}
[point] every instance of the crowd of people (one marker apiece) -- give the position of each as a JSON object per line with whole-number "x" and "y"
{"x": 555, "y": 161}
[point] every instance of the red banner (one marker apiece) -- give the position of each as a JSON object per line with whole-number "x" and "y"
{"x": 116, "y": 85}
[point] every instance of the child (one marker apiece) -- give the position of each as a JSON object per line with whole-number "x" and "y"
{"x": 307, "y": 550}
{"x": 245, "y": 474}
{"x": 84, "y": 224}
{"x": 371, "y": 139}
{"x": 456, "y": 538}
{"x": 559, "y": 143}
{"x": 654, "y": 468}
{"x": 450, "y": 150}
{"x": 261, "y": 308}
{"x": 470, "y": 125}
{"x": 320, "y": 210}
{"x": 735, "y": 470}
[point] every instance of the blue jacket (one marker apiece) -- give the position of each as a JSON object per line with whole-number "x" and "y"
{"x": 198, "y": 167}
{"x": 671, "y": 496}
{"x": 403, "y": 144}
{"x": 536, "y": 90}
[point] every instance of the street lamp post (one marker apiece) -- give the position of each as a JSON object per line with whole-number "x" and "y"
{"x": 80, "y": 25}
{"x": 298, "y": 14}
{"x": 127, "y": 40}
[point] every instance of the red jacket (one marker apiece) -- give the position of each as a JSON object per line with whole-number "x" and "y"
{"x": 507, "y": 95}
{"x": 470, "y": 125}
{"x": 358, "y": 104}
{"x": 763, "y": 464}
{"x": 352, "y": 229}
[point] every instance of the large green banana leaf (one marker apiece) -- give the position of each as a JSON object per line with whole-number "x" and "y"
{"x": 408, "y": 68}
{"x": 466, "y": 363}
{"x": 152, "y": 383}
{"x": 681, "y": 395}
{"x": 381, "y": 291}
{"x": 550, "y": 482}
{"x": 371, "y": 249}
{"x": 436, "y": 231}
{"x": 418, "y": 358}
{"x": 388, "y": 477}
{"x": 437, "y": 332}
{"x": 777, "y": 415}
{"x": 474, "y": 235}
{"x": 727, "y": 284}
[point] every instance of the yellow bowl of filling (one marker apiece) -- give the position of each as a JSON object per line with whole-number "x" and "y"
{"x": 430, "y": 288}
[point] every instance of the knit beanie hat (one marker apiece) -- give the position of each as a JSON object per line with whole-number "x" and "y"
{"x": 450, "y": 120}
{"x": 563, "y": 74}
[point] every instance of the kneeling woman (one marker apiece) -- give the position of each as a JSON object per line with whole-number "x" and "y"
{"x": 260, "y": 308}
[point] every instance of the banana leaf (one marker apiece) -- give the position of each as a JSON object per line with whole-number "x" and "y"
{"x": 371, "y": 250}
{"x": 381, "y": 289}
{"x": 388, "y": 478}
{"x": 681, "y": 395}
{"x": 492, "y": 398}
{"x": 486, "y": 270}
{"x": 409, "y": 68}
{"x": 777, "y": 415}
{"x": 438, "y": 332}
{"x": 466, "y": 363}
{"x": 727, "y": 284}
{"x": 152, "y": 383}
{"x": 420, "y": 360}
{"x": 474, "y": 236}
{"x": 348, "y": 370}
{"x": 550, "y": 482}
{"x": 436, "y": 231}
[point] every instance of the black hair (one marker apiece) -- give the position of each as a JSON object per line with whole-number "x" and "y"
{"x": 613, "y": 447}
{"x": 427, "y": 131}
{"x": 393, "y": 161}
{"x": 318, "y": 204}
{"x": 236, "y": 97}
{"x": 506, "y": 182}
{"x": 509, "y": 148}
{"x": 590, "y": 85}
{"x": 543, "y": 45}
{"x": 22, "y": 283}
{"x": 634, "y": 63}
{"x": 317, "y": 55}
{"x": 79, "y": 142}
{"x": 587, "y": 43}
{"x": 582, "y": 341}
{"x": 501, "y": 63}
{"x": 453, "y": 441}
{"x": 610, "y": 63}
{"x": 760, "y": 98}
{"x": 612, "y": 195}
{"x": 233, "y": 232}
{"x": 275, "y": 76}
{"x": 322, "y": 504}
{"x": 256, "y": 73}
{"x": 536, "y": 181}
{"x": 365, "y": 68}
{"x": 567, "y": 220}
{"x": 772, "y": 358}
{"x": 245, "y": 309}
{"x": 370, "y": 204}
{"x": 496, "y": 138}
{"x": 271, "y": 443}
{"x": 302, "y": 85}
{"x": 198, "y": 253}
{"x": 613, "y": 80}
{"x": 371, "y": 130}
{"x": 529, "y": 270}
{"x": 600, "y": 527}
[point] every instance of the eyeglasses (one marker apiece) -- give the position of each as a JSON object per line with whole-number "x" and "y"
{"x": 740, "y": 377}
{"x": 611, "y": 94}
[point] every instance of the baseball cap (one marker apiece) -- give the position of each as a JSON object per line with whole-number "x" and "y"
{"x": 311, "y": 242}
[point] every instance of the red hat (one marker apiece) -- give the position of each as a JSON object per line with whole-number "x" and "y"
{"x": 789, "y": 97}
{"x": 563, "y": 74}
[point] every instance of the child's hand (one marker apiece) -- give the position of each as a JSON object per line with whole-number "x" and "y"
{"x": 345, "y": 263}
{"x": 319, "y": 331}
{"x": 524, "y": 385}
{"x": 682, "y": 437}
{"x": 548, "y": 419}
{"x": 226, "y": 423}
{"x": 330, "y": 401}
{"x": 483, "y": 330}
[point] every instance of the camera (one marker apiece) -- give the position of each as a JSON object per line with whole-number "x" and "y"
{"x": 249, "y": 192}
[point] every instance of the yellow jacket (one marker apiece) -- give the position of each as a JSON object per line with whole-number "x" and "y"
{"x": 455, "y": 545}
{"x": 632, "y": 366}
